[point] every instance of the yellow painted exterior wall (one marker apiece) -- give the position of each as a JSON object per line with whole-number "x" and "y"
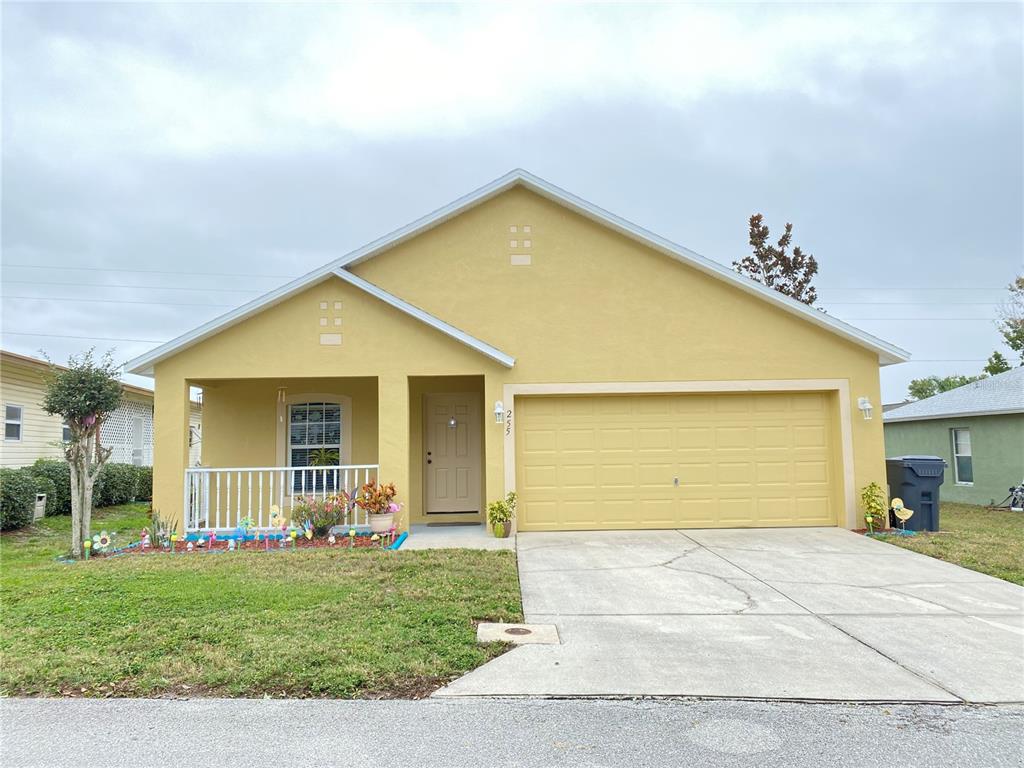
{"x": 593, "y": 306}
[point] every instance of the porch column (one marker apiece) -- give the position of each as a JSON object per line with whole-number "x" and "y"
{"x": 170, "y": 446}
{"x": 494, "y": 442}
{"x": 393, "y": 438}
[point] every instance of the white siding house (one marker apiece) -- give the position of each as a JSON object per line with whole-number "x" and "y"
{"x": 30, "y": 433}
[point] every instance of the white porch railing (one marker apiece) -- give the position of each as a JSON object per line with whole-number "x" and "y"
{"x": 219, "y": 498}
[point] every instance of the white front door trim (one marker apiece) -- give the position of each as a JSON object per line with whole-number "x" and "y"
{"x": 840, "y": 386}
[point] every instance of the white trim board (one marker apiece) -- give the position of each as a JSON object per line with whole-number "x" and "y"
{"x": 887, "y": 353}
{"x": 425, "y": 317}
{"x": 887, "y": 419}
{"x": 840, "y": 386}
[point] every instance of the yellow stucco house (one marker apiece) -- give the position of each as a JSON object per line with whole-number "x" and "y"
{"x": 524, "y": 339}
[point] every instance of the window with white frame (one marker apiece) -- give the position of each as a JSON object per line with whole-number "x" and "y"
{"x": 963, "y": 463}
{"x": 12, "y": 422}
{"x": 314, "y": 438}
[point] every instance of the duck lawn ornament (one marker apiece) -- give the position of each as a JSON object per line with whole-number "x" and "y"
{"x": 901, "y": 512}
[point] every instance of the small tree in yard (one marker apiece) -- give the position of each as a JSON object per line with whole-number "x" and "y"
{"x": 84, "y": 395}
{"x": 1011, "y": 317}
{"x": 996, "y": 364}
{"x": 774, "y": 267}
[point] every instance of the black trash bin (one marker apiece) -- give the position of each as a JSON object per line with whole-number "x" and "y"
{"x": 916, "y": 480}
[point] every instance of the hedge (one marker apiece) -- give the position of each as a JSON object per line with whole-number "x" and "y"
{"x": 17, "y": 498}
{"x": 116, "y": 484}
{"x": 144, "y": 491}
{"x": 59, "y": 473}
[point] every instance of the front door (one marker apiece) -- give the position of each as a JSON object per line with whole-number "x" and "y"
{"x": 452, "y": 460}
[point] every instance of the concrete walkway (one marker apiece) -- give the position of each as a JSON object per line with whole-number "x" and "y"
{"x": 454, "y": 537}
{"x": 807, "y": 614}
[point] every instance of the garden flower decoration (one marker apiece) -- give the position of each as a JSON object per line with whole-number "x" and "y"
{"x": 101, "y": 541}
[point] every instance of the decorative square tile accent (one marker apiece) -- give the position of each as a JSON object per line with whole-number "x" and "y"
{"x": 323, "y": 305}
{"x": 513, "y": 228}
{"x": 520, "y": 259}
{"x": 513, "y": 243}
{"x": 527, "y": 243}
{"x": 337, "y": 321}
{"x": 337, "y": 306}
{"x": 323, "y": 321}
{"x": 330, "y": 339}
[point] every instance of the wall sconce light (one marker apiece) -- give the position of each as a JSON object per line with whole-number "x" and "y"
{"x": 865, "y": 407}
{"x": 499, "y": 412}
{"x": 452, "y": 423}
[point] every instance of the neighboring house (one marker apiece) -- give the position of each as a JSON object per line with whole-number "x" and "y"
{"x": 977, "y": 428}
{"x": 523, "y": 339}
{"x": 30, "y": 433}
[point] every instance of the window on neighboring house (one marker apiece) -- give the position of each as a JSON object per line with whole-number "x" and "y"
{"x": 313, "y": 427}
{"x": 963, "y": 466}
{"x": 12, "y": 422}
{"x": 65, "y": 433}
{"x": 138, "y": 427}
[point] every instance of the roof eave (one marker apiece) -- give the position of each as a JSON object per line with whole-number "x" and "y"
{"x": 886, "y": 418}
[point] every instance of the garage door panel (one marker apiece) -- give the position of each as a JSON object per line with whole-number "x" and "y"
{"x": 591, "y": 462}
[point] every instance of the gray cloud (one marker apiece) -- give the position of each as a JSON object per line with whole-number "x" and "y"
{"x": 897, "y": 158}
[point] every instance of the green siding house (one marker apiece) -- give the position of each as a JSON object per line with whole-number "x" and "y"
{"x": 978, "y": 429}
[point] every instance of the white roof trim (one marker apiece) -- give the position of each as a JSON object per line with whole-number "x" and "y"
{"x": 887, "y": 353}
{"x": 947, "y": 416}
{"x": 425, "y": 317}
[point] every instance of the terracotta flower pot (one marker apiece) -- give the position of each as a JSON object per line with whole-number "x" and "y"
{"x": 382, "y": 523}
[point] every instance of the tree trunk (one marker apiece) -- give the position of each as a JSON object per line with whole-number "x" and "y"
{"x": 76, "y": 509}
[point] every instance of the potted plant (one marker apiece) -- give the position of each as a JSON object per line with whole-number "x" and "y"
{"x": 378, "y": 501}
{"x": 500, "y": 514}
{"x": 323, "y": 457}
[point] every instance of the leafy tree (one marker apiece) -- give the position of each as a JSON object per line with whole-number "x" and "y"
{"x": 84, "y": 394}
{"x": 774, "y": 267}
{"x": 919, "y": 389}
{"x": 996, "y": 364}
{"x": 1011, "y": 318}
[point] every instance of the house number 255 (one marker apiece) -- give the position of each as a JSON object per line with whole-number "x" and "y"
{"x": 508, "y": 422}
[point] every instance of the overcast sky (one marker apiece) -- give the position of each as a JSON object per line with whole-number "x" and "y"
{"x": 147, "y": 145}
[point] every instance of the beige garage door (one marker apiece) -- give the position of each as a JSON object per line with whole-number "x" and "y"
{"x": 675, "y": 461}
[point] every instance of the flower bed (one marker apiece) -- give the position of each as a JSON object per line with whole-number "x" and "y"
{"x": 204, "y": 543}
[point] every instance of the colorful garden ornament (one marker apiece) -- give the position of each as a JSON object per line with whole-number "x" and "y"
{"x": 88, "y": 546}
{"x": 174, "y": 541}
{"x": 351, "y": 537}
{"x": 902, "y": 513}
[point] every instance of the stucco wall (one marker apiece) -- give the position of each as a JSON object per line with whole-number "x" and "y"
{"x": 997, "y": 446}
{"x": 592, "y": 307}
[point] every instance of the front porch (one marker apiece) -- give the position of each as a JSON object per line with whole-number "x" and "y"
{"x": 269, "y": 444}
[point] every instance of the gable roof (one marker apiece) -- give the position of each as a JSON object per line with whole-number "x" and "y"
{"x": 887, "y": 353}
{"x": 1002, "y": 393}
{"x": 425, "y": 317}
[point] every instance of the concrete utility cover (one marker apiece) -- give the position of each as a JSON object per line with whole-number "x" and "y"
{"x": 791, "y": 613}
{"x": 520, "y": 634}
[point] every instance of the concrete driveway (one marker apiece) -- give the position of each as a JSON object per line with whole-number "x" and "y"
{"x": 798, "y": 613}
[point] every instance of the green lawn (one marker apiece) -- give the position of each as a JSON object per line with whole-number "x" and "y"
{"x": 362, "y": 623}
{"x": 990, "y": 541}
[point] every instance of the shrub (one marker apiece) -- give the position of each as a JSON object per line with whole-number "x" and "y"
{"x": 321, "y": 514}
{"x": 44, "y": 485}
{"x": 116, "y": 484}
{"x": 59, "y": 473}
{"x": 17, "y": 498}
{"x": 144, "y": 483}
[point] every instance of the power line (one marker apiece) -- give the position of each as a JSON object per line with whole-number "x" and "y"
{"x": 148, "y": 271}
{"x": 116, "y": 301}
{"x": 87, "y": 338}
{"x": 138, "y": 287}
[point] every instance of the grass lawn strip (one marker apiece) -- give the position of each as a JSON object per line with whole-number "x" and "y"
{"x": 325, "y": 623}
{"x": 982, "y": 539}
